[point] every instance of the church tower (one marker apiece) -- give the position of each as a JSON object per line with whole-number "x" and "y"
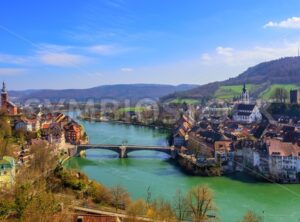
{"x": 245, "y": 95}
{"x": 4, "y": 96}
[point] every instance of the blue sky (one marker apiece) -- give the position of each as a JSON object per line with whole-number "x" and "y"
{"x": 80, "y": 44}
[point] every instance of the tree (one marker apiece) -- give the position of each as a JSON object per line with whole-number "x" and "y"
{"x": 250, "y": 216}
{"x": 280, "y": 95}
{"x": 42, "y": 207}
{"x": 99, "y": 193}
{"x": 180, "y": 206}
{"x": 43, "y": 157}
{"x": 5, "y": 148}
{"x": 6, "y": 204}
{"x": 136, "y": 209}
{"x": 161, "y": 210}
{"x": 120, "y": 197}
{"x": 23, "y": 196}
{"x": 5, "y": 128}
{"x": 200, "y": 203}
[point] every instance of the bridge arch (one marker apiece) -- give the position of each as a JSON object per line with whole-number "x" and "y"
{"x": 150, "y": 150}
{"x": 113, "y": 149}
{"x": 124, "y": 150}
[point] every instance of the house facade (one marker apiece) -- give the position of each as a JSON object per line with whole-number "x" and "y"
{"x": 73, "y": 133}
{"x": 284, "y": 159}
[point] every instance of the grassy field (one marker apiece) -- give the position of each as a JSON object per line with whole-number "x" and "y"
{"x": 187, "y": 101}
{"x": 129, "y": 109}
{"x": 228, "y": 92}
{"x": 268, "y": 93}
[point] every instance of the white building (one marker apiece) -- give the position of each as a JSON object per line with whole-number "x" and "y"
{"x": 244, "y": 111}
{"x": 284, "y": 159}
{"x": 248, "y": 113}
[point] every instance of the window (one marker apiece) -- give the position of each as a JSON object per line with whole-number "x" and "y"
{"x": 80, "y": 219}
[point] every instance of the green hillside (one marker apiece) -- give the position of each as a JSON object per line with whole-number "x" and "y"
{"x": 280, "y": 71}
{"x": 231, "y": 91}
{"x": 137, "y": 109}
{"x": 184, "y": 100}
{"x": 269, "y": 92}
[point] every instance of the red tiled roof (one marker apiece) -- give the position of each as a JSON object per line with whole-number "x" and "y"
{"x": 46, "y": 126}
{"x": 277, "y": 147}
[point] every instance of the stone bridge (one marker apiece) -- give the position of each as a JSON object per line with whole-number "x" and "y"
{"x": 123, "y": 150}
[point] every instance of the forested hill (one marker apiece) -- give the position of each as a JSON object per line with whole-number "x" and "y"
{"x": 280, "y": 71}
{"x": 118, "y": 92}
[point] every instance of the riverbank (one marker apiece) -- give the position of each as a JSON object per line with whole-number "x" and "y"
{"x": 234, "y": 194}
{"x": 154, "y": 126}
{"x": 191, "y": 167}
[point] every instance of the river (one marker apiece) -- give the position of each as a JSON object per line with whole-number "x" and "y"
{"x": 143, "y": 169}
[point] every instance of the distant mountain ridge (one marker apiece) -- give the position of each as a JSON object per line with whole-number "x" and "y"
{"x": 281, "y": 71}
{"x": 118, "y": 92}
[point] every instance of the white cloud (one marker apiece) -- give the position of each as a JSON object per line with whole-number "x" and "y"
{"x": 106, "y": 49}
{"x": 102, "y": 49}
{"x": 62, "y": 59}
{"x": 12, "y": 59}
{"x": 11, "y": 71}
{"x": 53, "y": 47}
{"x": 290, "y": 23}
{"x": 126, "y": 69}
{"x": 62, "y": 55}
{"x": 226, "y": 51}
{"x": 219, "y": 64}
{"x": 251, "y": 56}
{"x": 206, "y": 57}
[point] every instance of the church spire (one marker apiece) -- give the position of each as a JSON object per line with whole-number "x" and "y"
{"x": 245, "y": 95}
{"x": 244, "y": 88}
{"x": 3, "y": 87}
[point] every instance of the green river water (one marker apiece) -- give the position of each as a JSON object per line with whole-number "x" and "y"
{"x": 233, "y": 195}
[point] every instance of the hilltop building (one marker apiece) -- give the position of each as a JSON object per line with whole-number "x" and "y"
{"x": 7, "y": 105}
{"x": 295, "y": 96}
{"x": 244, "y": 111}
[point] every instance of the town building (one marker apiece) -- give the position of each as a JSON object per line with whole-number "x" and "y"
{"x": 284, "y": 160}
{"x": 295, "y": 96}
{"x": 73, "y": 133}
{"x": 247, "y": 113}
{"x": 223, "y": 150}
{"x": 244, "y": 111}
{"x": 7, "y": 105}
{"x": 23, "y": 125}
{"x": 7, "y": 172}
{"x": 181, "y": 134}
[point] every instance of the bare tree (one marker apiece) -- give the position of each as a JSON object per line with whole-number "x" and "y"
{"x": 250, "y": 216}
{"x": 180, "y": 206}
{"x": 136, "y": 209}
{"x": 120, "y": 197}
{"x": 149, "y": 196}
{"x": 201, "y": 204}
{"x": 161, "y": 210}
{"x": 43, "y": 157}
{"x": 280, "y": 95}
